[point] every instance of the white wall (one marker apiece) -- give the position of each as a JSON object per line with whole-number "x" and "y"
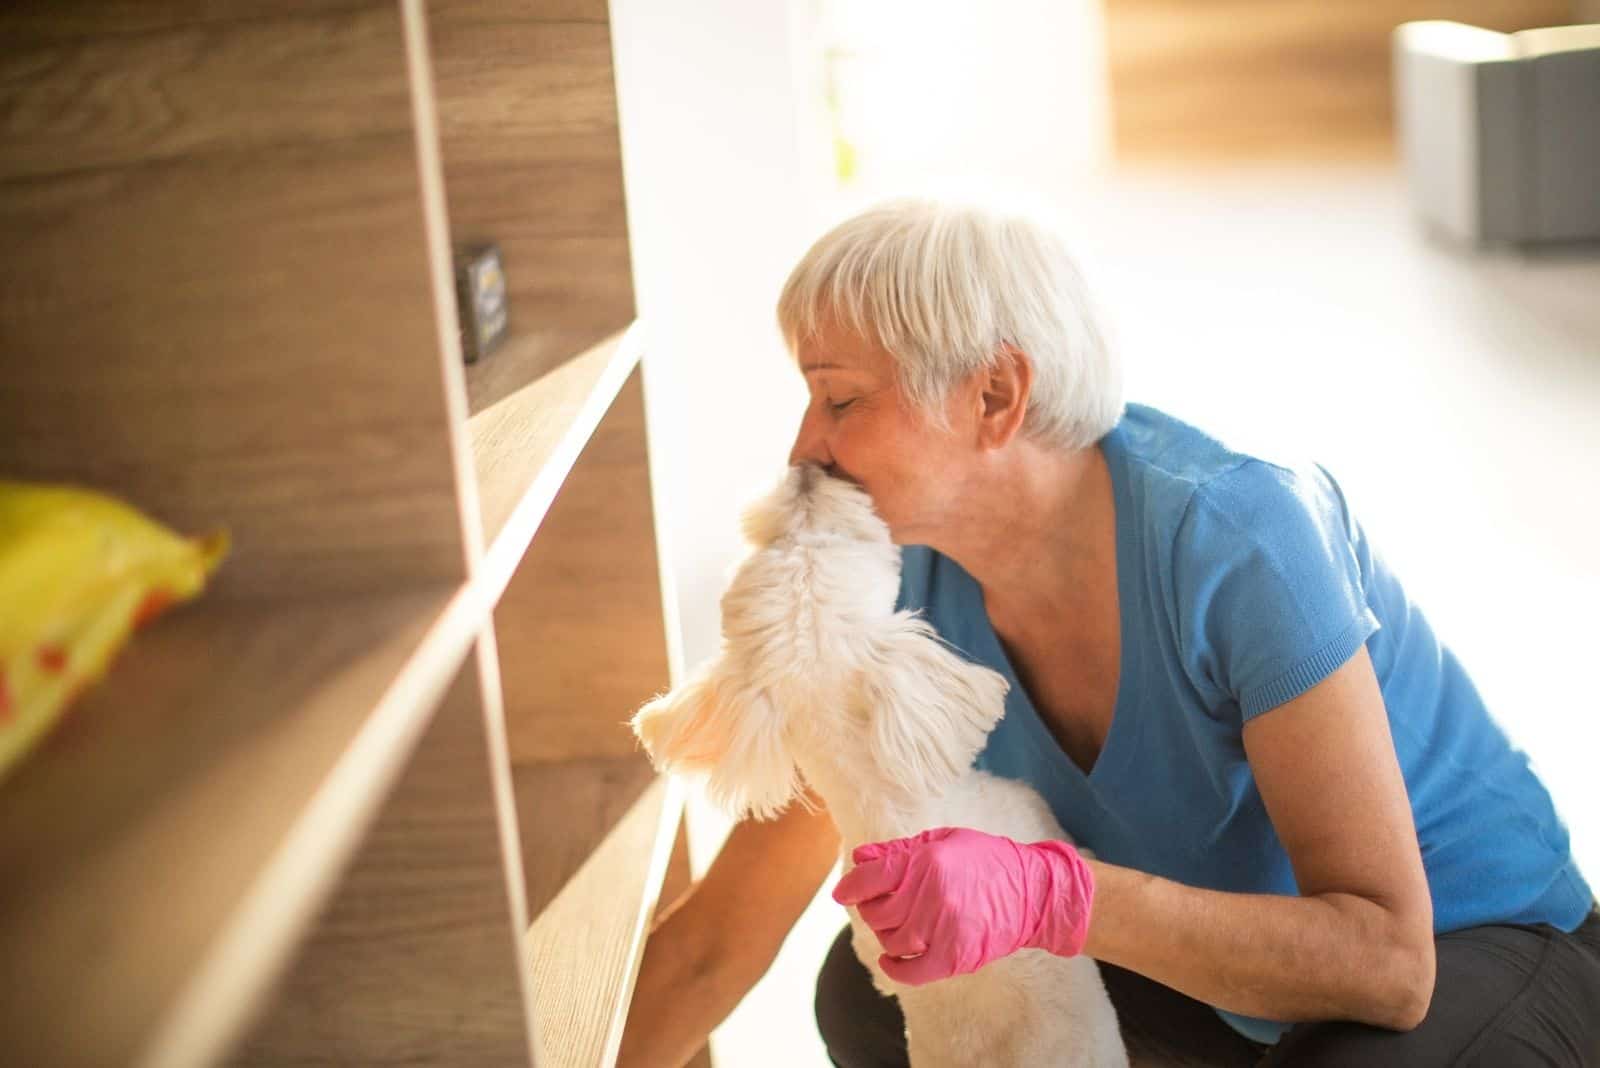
{"x": 971, "y": 92}
{"x": 722, "y": 189}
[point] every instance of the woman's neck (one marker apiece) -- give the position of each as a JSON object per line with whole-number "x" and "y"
{"x": 1041, "y": 530}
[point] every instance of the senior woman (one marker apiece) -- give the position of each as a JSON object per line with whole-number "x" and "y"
{"x": 1311, "y": 842}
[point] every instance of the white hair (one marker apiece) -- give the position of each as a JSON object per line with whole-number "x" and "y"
{"x": 944, "y": 286}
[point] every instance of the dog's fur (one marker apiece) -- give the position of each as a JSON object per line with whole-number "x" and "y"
{"x": 820, "y": 680}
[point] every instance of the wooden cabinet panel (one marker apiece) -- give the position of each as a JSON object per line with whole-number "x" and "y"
{"x": 1270, "y": 78}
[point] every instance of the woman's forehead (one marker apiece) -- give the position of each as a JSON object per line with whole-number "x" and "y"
{"x": 837, "y": 349}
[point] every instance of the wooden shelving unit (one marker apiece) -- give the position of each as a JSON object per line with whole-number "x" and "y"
{"x": 524, "y": 445}
{"x": 372, "y": 798}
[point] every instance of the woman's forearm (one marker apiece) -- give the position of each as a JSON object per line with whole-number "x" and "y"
{"x": 687, "y": 985}
{"x": 1332, "y": 956}
{"x": 711, "y": 947}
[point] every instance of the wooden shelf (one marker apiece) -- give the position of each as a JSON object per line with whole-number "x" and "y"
{"x": 165, "y": 848}
{"x": 527, "y": 356}
{"x": 524, "y": 445}
{"x": 596, "y": 837}
{"x": 270, "y": 811}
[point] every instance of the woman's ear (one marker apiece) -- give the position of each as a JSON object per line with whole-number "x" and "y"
{"x": 1004, "y": 397}
{"x": 734, "y": 736}
{"x": 929, "y": 710}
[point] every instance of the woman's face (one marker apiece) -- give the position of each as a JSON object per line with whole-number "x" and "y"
{"x": 859, "y": 426}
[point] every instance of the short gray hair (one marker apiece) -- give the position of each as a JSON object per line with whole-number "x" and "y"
{"x": 942, "y": 286}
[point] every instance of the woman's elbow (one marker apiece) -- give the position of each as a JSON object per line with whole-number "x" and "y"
{"x": 1410, "y": 990}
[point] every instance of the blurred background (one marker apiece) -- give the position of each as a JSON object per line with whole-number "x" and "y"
{"x": 1230, "y": 172}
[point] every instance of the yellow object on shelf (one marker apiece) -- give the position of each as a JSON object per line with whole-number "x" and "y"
{"x": 78, "y": 572}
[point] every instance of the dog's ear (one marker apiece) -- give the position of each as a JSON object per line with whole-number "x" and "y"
{"x": 929, "y": 710}
{"x": 730, "y": 733}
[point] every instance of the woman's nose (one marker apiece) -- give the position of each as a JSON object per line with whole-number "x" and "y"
{"x": 809, "y": 443}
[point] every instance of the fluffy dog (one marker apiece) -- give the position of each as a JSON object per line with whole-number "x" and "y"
{"x": 821, "y": 680}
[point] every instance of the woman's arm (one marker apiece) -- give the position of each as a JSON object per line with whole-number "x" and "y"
{"x": 715, "y": 941}
{"x": 1358, "y": 943}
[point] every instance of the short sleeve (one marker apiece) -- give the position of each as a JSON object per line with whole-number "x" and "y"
{"x": 1268, "y": 590}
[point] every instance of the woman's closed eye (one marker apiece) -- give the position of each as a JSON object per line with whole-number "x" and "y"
{"x": 838, "y": 406}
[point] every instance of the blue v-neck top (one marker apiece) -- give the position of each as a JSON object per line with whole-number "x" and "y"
{"x": 1242, "y": 583}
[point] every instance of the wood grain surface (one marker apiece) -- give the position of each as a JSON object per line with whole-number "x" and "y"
{"x": 187, "y": 91}
{"x": 585, "y": 943}
{"x": 580, "y": 630}
{"x": 1293, "y": 79}
{"x": 545, "y": 422}
{"x": 33, "y": 21}
{"x": 415, "y": 960}
{"x": 532, "y": 161}
{"x": 131, "y": 837}
{"x": 565, "y": 809}
{"x": 227, "y": 319}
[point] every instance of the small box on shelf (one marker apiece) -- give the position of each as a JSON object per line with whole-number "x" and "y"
{"x": 480, "y": 299}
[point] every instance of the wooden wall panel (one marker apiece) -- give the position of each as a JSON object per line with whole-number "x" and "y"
{"x": 541, "y": 10}
{"x": 1288, "y": 79}
{"x": 532, "y": 161}
{"x": 582, "y": 643}
{"x": 60, "y": 20}
{"x": 418, "y": 959}
{"x": 168, "y": 331}
{"x": 564, "y": 810}
{"x": 192, "y": 90}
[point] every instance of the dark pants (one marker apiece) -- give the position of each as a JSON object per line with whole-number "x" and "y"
{"x": 1504, "y": 997}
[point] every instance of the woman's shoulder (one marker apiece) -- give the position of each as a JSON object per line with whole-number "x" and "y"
{"x": 1164, "y": 456}
{"x": 1168, "y": 445}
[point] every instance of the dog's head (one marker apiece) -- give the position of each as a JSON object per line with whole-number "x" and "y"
{"x": 809, "y": 501}
{"x": 820, "y": 566}
{"x": 816, "y": 662}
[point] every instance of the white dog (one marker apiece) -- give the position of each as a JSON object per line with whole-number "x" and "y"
{"x": 820, "y": 679}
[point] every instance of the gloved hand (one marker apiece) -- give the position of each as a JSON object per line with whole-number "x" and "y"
{"x": 948, "y": 901}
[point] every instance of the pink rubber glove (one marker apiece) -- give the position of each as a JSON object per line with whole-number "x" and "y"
{"x": 949, "y": 900}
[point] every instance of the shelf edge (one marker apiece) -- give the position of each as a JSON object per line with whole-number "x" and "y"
{"x": 649, "y": 903}
{"x": 511, "y": 541}
{"x": 672, "y": 794}
{"x": 227, "y": 988}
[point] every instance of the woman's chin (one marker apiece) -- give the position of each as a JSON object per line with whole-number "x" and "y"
{"x": 835, "y": 471}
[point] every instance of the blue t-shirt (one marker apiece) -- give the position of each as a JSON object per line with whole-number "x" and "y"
{"x": 1243, "y": 583}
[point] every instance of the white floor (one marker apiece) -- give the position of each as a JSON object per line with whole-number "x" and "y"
{"x": 1455, "y": 394}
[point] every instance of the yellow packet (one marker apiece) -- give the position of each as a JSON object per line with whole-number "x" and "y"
{"x": 78, "y": 572}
